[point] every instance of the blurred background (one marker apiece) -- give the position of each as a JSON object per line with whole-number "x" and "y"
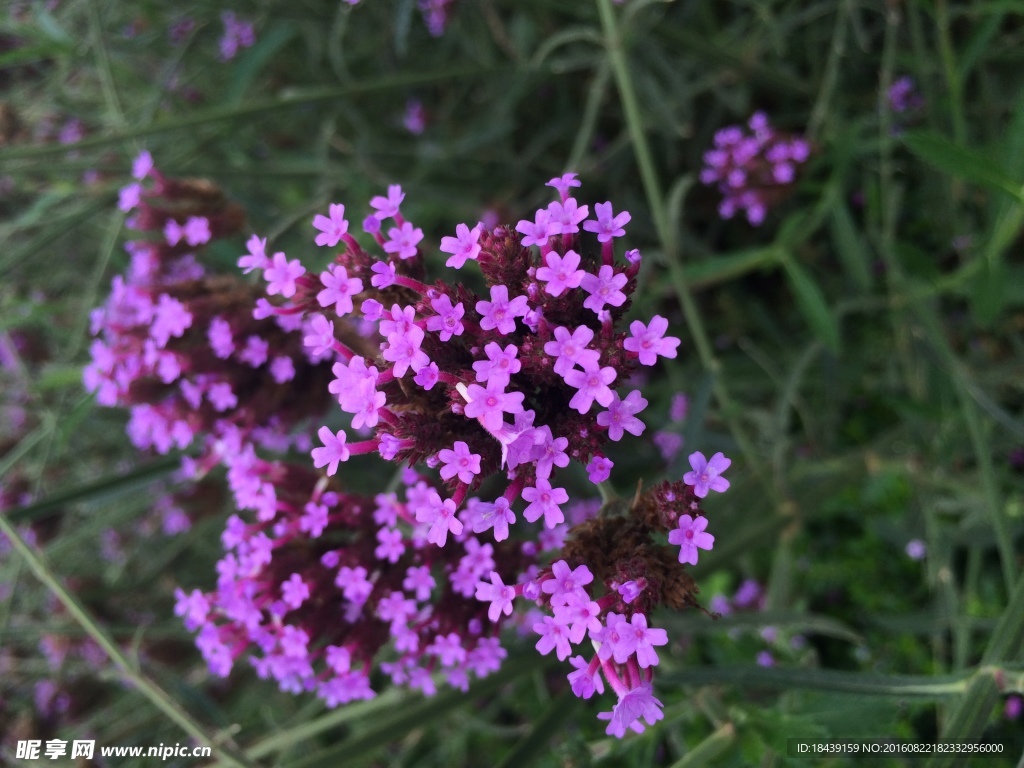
{"x": 852, "y": 332}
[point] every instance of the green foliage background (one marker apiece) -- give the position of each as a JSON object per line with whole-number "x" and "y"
{"x": 859, "y": 355}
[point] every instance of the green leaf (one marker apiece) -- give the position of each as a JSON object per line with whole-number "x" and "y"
{"x": 961, "y": 162}
{"x": 420, "y": 713}
{"x": 534, "y": 744}
{"x": 785, "y": 678}
{"x": 710, "y": 749}
{"x": 729, "y": 266}
{"x": 812, "y": 304}
{"x": 693, "y": 623}
{"x": 249, "y": 65}
{"x": 92, "y": 491}
{"x": 850, "y": 246}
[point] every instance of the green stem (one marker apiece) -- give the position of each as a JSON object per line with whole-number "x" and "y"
{"x": 949, "y": 67}
{"x": 659, "y": 213}
{"x": 291, "y": 98}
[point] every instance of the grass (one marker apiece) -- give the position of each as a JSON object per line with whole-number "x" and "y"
{"x": 858, "y": 355}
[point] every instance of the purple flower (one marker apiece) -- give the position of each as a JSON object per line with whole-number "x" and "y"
{"x": 403, "y": 349}
{"x": 427, "y": 376}
{"x": 333, "y": 452}
{"x": 561, "y": 272}
{"x": 257, "y": 256}
{"x": 490, "y": 405}
{"x": 604, "y": 288}
{"x": 669, "y": 444}
{"x": 464, "y": 246}
{"x": 903, "y": 95}
{"x": 339, "y": 289}
{"x": 282, "y": 274}
{"x": 563, "y": 183}
{"x": 459, "y": 462}
{"x": 645, "y": 639}
{"x": 129, "y": 197}
{"x": 418, "y": 580}
{"x": 498, "y": 516}
{"x": 220, "y": 337}
{"x": 648, "y": 342}
{"x": 415, "y": 119}
{"x": 554, "y": 636}
{"x": 690, "y": 537}
{"x": 566, "y": 216}
{"x": 570, "y": 349}
{"x": 403, "y": 240}
{"x": 637, "y": 703}
{"x": 314, "y": 519}
{"x": 448, "y": 320}
{"x": 567, "y": 584}
{"x": 591, "y": 386}
{"x": 387, "y": 207}
{"x": 237, "y": 34}
{"x": 321, "y": 338}
{"x": 499, "y": 366}
{"x": 585, "y": 680}
{"x": 500, "y": 313}
{"x": 295, "y": 591}
{"x": 497, "y": 594}
{"x": 544, "y": 500}
{"x": 706, "y": 474}
{"x": 599, "y": 469}
{"x": 196, "y": 230}
{"x": 916, "y": 549}
{"x": 331, "y": 229}
{"x": 441, "y": 516}
{"x": 538, "y": 231}
{"x": 1013, "y": 708}
{"x": 607, "y": 225}
{"x": 142, "y": 165}
{"x": 282, "y": 369}
{"x": 619, "y": 416}
{"x": 390, "y": 547}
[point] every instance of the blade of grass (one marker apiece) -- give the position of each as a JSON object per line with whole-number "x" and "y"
{"x": 783, "y": 678}
{"x": 288, "y": 99}
{"x": 660, "y": 214}
{"x": 150, "y": 690}
{"x": 406, "y": 719}
{"x": 92, "y": 491}
{"x": 534, "y": 744}
{"x": 968, "y": 719}
{"x": 710, "y": 749}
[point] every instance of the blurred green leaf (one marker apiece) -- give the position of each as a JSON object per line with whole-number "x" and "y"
{"x": 535, "y": 742}
{"x": 107, "y": 486}
{"x": 785, "y": 678}
{"x": 961, "y": 162}
{"x": 421, "y": 712}
{"x": 850, "y": 246}
{"x": 811, "y": 302}
{"x": 254, "y": 60}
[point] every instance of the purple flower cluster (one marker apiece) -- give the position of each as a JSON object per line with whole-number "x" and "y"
{"x": 237, "y": 34}
{"x": 435, "y": 15}
{"x": 323, "y": 587}
{"x": 519, "y": 381}
{"x": 181, "y": 348}
{"x": 514, "y": 383}
{"x": 320, "y": 587}
{"x": 903, "y": 96}
{"x": 753, "y": 170}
